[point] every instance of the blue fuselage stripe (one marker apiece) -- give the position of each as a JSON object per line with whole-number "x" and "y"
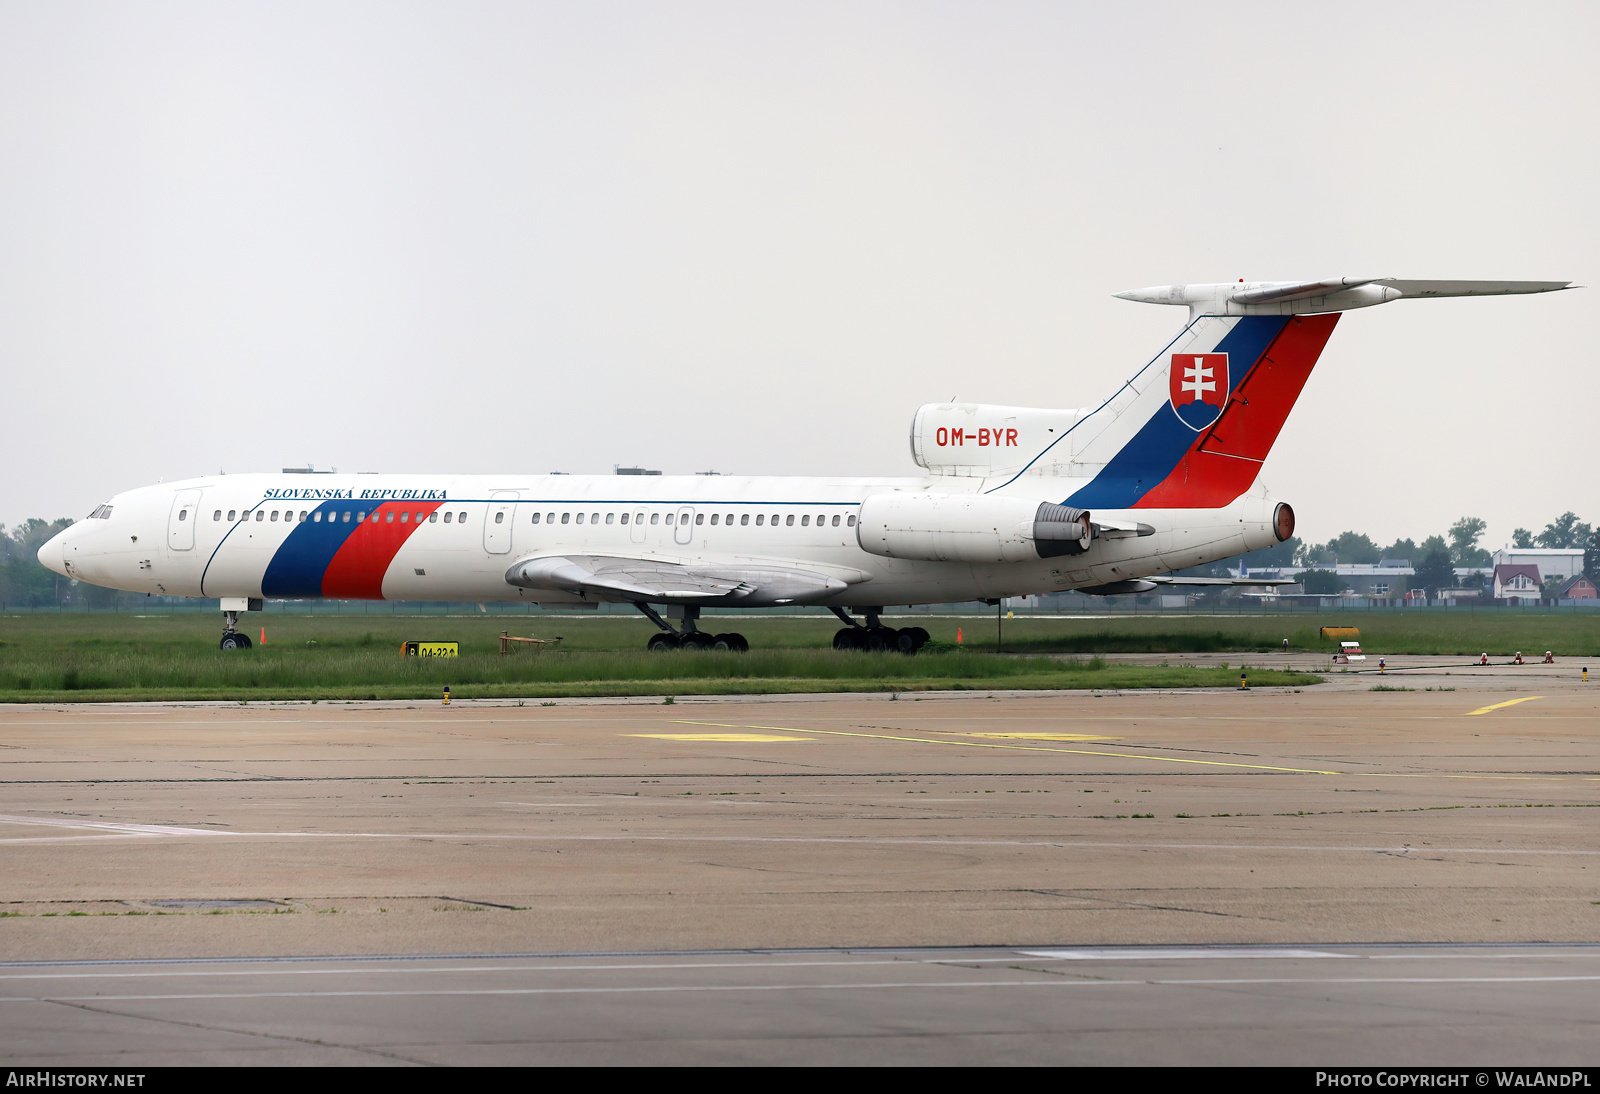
{"x": 297, "y": 566}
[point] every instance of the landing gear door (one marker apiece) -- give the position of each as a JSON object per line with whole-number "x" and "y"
{"x": 499, "y": 520}
{"x": 180, "y": 522}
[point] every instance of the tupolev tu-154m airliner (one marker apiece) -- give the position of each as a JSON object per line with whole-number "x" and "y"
{"x": 1012, "y": 501}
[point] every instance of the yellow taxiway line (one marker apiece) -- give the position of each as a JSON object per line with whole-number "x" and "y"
{"x": 1507, "y": 703}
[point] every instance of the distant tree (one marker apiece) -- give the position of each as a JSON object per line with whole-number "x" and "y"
{"x": 1591, "y": 556}
{"x": 22, "y": 579}
{"x": 1436, "y": 573}
{"x": 1522, "y": 539}
{"x": 1313, "y": 554}
{"x": 1322, "y": 582}
{"x": 1353, "y": 548}
{"x": 1401, "y": 548}
{"x": 1464, "y": 536}
{"x": 1564, "y": 531}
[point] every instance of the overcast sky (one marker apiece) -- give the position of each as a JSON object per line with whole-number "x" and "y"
{"x": 470, "y": 237}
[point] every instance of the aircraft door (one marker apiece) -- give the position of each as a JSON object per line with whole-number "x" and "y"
{"x": 637, "y": 532}
{"x": 180, "y": 522}
{"x": 498, "y": 521}
{"x": 684, "y": 532}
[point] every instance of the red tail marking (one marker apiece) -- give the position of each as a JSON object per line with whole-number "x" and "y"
{"x": 1224, "y": 462}
{"x": 357, "y": 568}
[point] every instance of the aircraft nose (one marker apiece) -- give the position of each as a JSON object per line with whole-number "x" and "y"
{"x": 53, "y": 555}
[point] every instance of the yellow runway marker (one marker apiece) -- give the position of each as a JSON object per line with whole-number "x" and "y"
{"x": 738, "y": 738}
{"x": 1023, "y": 748}
{"x": 1046, "y": 736}
{"x": 1507, "y": 703}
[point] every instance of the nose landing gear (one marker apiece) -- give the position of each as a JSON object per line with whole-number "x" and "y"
{"x": 231, "y": 607}
{"x": 232, "y": 639}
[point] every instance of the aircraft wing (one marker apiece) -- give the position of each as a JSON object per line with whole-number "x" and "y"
{"x": 612, "y": 577}
{"x": 1168, "y": 580}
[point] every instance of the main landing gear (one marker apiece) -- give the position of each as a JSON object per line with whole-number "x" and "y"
{"x": 875, "y": 636}
{"x": 691, "y": 637}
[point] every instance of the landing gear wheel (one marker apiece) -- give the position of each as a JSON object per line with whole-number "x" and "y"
{"x": 661, "y": 642}
{"x": 923, "y": 637}
{"x": 697, "y": 640}
{"x": 730, "y": 643}
{"x": 905, "y": 640}
{"x": 880, "y": 639}
{"x": 845, "y": 639}
{"x": 234, "y": 641}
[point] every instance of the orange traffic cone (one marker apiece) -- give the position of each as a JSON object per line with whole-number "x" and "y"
{"x": 958, "y": 636}
{"x": 263, "y": 636}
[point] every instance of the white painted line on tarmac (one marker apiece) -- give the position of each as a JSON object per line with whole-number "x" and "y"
{"x": 891, "y": 985}
{"x": 1179, "y": 953}
{"x": 138, "y": 829}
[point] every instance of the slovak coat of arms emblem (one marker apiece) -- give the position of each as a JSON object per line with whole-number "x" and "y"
{"x": 1199, "y": 387}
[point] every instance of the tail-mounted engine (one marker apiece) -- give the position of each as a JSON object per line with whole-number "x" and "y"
{"x": 978, "y": 528}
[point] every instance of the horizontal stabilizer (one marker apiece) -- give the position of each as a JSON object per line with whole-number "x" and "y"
{"x": 1334, "y": 294}
{"x": 1414, "y": 289}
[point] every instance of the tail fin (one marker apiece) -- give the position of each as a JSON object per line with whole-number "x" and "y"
{"x": 1192, "y": 429}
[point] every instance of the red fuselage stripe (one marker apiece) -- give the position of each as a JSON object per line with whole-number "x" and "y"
{"x": 358, "y": 567}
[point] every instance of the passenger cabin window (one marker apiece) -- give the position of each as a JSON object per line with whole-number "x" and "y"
{"x": 433, "y": 518}
{"x": 261, "y": 514}
{"x": 232, "y": 514}
{"x": 580, "y": 518}
{"x": 852, "y": 521}
{"x": 611, "y": 517}
{"x": 550, "y": 518}
{"x": 461, "y": 518}
{"x": 699, "y": 518}
{"x": 624, "y": 518}
{"x": 183, "y": 514}
{"x": 447, "y": 517}
{"x": 594, "y": 518}
{"x": 536, "y": 517}
{"x": 761, "y": 518}
{"x": 744, "y": 518}
{"x": 836, "y": 520}
{"x": 655, "y": 518}
{"x": 302, "y": 515}
{"x": 805, "y": 520}
{"x": 217, "y": 515}
{"x": 347, "y": 516}
{"x": 669, "y": 518}
{"x": 316, "y": 517}
{"x": 713, "y": 518}
{"x": 790, "y": 521}
{"x": 775, "y": 520}
{"x": 499, "y": 518}
{"x": 403, "y": 517}
{"x": 729, "y": 518}
{"x": 566, "y": 517}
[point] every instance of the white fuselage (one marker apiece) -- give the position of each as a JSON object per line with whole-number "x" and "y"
{"x": 429, "y": 537}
